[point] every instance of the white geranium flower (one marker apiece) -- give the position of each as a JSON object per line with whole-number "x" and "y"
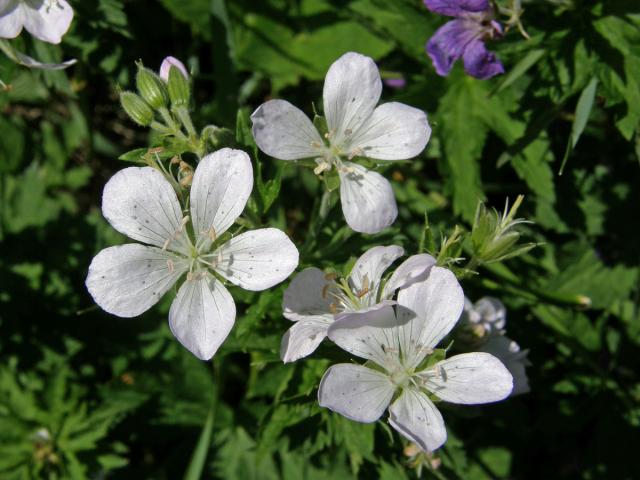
{"x": 127, "y": 280}
{"x": 482, "y": 326}
{"x": 47, "y": 20}
{"x": 315, "y": 300}
{"x": 488, "y": 315}
{"x": 357, "y": 128}
{"x": 397, "y": 343}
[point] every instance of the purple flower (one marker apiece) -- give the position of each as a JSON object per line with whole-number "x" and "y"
{"x": 464, "y": 37}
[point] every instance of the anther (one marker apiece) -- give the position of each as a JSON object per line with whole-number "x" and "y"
{"x": 170, "y": 265}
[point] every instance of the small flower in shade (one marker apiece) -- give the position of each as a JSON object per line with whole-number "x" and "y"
{"x": 464, "y": 37}
{"x": 169, "y": 62}
{"x": 398, "y": 343}
{"x": 356, "y": 128}
{"x": 129, "y": 279}
{"x": 315, "y": 300}
{"x": 47, "y": 20}
{"x": 395, "y": 83}
{"x": 482, "y": 327}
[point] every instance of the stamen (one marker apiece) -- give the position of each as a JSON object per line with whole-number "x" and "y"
{"x": 325, "y": 290}
{"x": 356, "y": 152}
{"x": 170, "y": 265}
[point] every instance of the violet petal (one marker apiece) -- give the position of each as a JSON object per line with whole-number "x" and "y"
{"x": 448, "y": 44}
{"x": 456, "y": 8}
{"x": 480, "y": 62}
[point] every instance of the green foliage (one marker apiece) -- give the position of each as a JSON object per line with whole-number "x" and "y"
{"x": 84, "y": 394}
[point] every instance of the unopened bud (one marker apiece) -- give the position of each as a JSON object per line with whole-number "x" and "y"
{"x": 151, "y": 88}
{"x": 179, "y": 90}
{"x": 169, "y": 62}
{"x": 136, "y": 108}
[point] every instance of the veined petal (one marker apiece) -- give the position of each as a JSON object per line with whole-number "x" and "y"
{"x": 469, "y": 379}
{"x": 437, "y": 301}
{"x": 31, "y": 62}
{"x": 411, "y": 270}
{"x": 141, "y": 203}
{"x": 394, "y": 131}
{"x": 368, "y": 202}
{"x": 367, "y": 272}
{"x": 480, "y": 62}
{"x": 48, "y": 21}
{"x": 308, "y": 296}
{"x": 372, "y": 335}
{"x": 418, "y": 419}
{"x": 285, "y": 132}
{"x": 258, "y": 259}
{"x": 220, "y": 189}
{"x": 359, "y": 393}
{"x": 11, "y": 19}
{"x": 202, "y": 315}
{"x": 455, "y": 8}
{"x": 449, "y": 42}
{"x": 127, "y": 280}
{"x": 303, "y": 337}
{"x": 352, "y": 88}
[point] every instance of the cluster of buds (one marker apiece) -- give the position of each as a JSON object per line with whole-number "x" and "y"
{"x": 494, "y": 237}
{"x": 157, "y": 93}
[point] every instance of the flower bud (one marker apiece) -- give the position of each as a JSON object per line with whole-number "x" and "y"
{"x": 178, "y": 85}
{"x": 136, "y": 108}
{"x": 494, "y": 237}
{"x": 151, "y": 88}
{"x": 169, "y": 62}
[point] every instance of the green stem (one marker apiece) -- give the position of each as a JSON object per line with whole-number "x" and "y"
{"x": 321, "y": 210}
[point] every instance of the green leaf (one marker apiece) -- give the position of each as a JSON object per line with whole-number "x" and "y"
{"x": 463, "y": 133}
{"x": 199, "y": 455}
{"x": 520, "y": 68}
{"x": 583, "y": 110}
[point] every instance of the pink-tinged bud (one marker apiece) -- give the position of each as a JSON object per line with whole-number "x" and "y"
{"x": 169, "y": 62}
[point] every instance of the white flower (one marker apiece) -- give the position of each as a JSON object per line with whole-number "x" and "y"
{"x": 127, "y": 280}
{"x": 392, "y": 131}
{"x": 47, "y": 20}
{"x": 488, "y": 315}
{"x": 315, "y": 300}
{"x": 398, "y": 344}
{"x": 483, "y": 327}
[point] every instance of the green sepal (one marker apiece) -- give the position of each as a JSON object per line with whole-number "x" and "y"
{"x": 151, "y": 88}
{"x": 321, "y": 125}
{"x": 179, "y": 89}
{"x": 331, "y": 180}
{"x": 138, "y": 110}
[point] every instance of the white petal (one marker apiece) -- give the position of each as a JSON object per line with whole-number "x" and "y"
{"x": 202, "y": 315}
{"x": 11, "y": 19}
{"x": 129, "y": 279}
{"x": 220, "y": 189}
{"x": 357, "y": 392}
{"x": 48, "y": 21}
{"x": 509, "y": 353}
{"x": 368, "y": 202}
{"x": 395, "y": 131}
{"x": 411, "y": 270}
{"x": 285, "y": 132}
{"x": 258, "y": 259}
{"x": 372, "y": 335}
{"x": 367, "y": 272}
{"x": 31, "y": 62}
{"x": 352, "y": 89}
{"x": 437, "y": 302}
{"x": 469, "y": 379}
{"x": 303, "y": 338}
{"x": 141, "y": 203}
{"x": 418, "y": 419}
{"x": 308, "y": 296}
